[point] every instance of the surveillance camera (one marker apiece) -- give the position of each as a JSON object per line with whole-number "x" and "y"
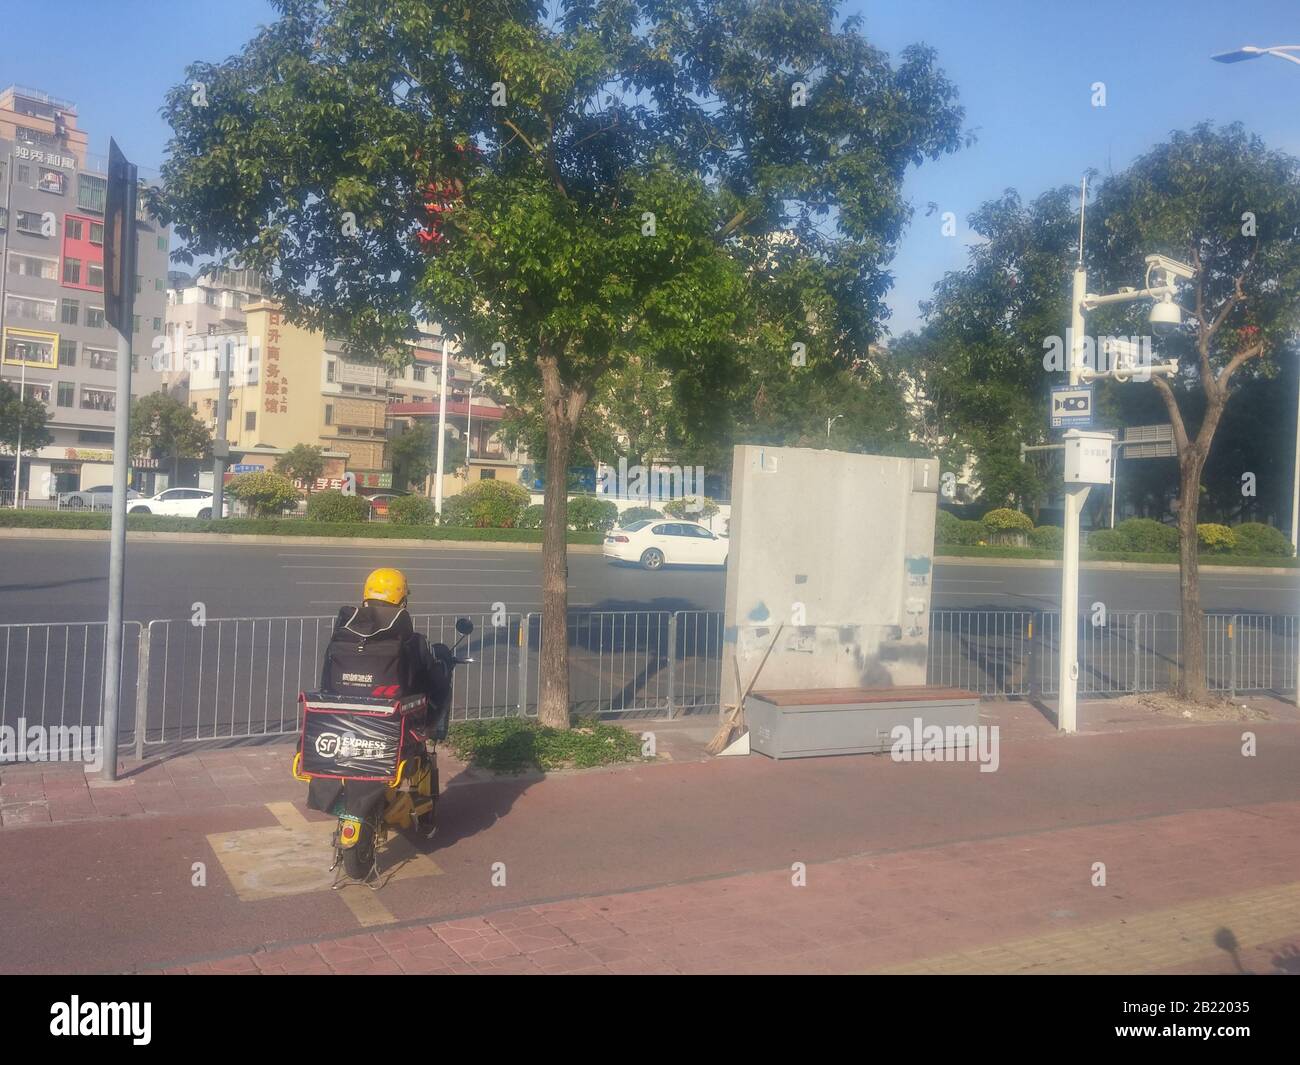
{"x": 1170, "y": 267}
{"x": 1166, "y": 316}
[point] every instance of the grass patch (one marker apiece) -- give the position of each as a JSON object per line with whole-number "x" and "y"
{"x": 1206, "y": 559}
{"x": 513, "y": 744}
{"x": 38, "y": 519}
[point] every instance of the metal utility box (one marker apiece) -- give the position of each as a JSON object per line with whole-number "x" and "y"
{"x": 1087, "y": 457}
{"x": 811, "y": 722}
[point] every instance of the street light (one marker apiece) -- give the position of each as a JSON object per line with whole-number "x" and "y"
{"x": 829, "y": 423}
{"x": 1280, "y": 51}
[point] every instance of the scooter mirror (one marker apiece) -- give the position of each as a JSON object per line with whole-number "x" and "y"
{"x": 464, "y": 626}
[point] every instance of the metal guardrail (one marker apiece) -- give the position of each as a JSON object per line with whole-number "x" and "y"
{"x": 239, "y": 678}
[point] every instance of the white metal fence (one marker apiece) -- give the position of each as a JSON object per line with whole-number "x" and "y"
{"x": 239, "y": 678}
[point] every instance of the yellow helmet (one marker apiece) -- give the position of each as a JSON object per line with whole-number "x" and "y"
{"x": 387, "y": 585}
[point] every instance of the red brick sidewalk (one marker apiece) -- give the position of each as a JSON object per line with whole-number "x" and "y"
{"x": 941, "y": 908}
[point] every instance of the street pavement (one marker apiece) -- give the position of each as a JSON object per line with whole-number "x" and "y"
{"x": 45, "y": 580}
{"x": 209, "y": 862}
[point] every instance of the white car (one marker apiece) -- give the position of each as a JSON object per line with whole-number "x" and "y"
{"x": 178, "y": 503}
{"x": 663, "y": 542}
{"x": 98, "y": 498}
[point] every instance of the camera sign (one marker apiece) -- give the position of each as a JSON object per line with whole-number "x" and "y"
{"x": 1070, "y": 405}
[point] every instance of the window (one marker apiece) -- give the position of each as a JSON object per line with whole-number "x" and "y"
{"x": 95, "y": 275}
{"x": 101, "y": 359}
{"x": 94, "y": 436}
{"x": 33, "y": 266}
{"x": 96, "y": 232}
{"x": 157, "y": 324}
{"x": 71, "y": 311}
{"x": 21, "y": 347}
{"x": 162, "y": 243}
{"x": 72, "y": 271}
{"x": 329, "y": 413}
{"x": 23, "y": 174}
{"x": 91, "y": 192}
{"x": 73, "y": 229}
{"x": 487, "y": 475}
{"x": 98, "y": 399}
{"x": 418, "y": 372}
{"x": 67, "y": 394}
{"x": 157, "y": 284}
{"x": 344, "y": 431}
{"x": 29, "y": 222}
{"x": 329, "y": 370}
{"x": 139, "y": 284}
{"x": 67, "y": 353}
{"x": 135, "y": 323}
{"x": 38, "y": 392}
{"x": 51, "y": 181}
{"x": 95, "y": 317}
{"x": 25, "y": 307}
{"x": 250, "y": 420}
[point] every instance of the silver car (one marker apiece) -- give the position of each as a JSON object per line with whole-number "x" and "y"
{"x": 98, "y": 498}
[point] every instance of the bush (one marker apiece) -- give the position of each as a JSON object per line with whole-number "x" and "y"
{"x": 1105, "y": 540}
{"x": 696, "y": 508}
{"x": 265, "y": 494}
{"x": 532, "y": 516}
{"x": 1005, "y": 519}
{"x": 589, "y": 514}
{"x": 637, "y": 514}
{"x": 1148, "y": 535}
{"x": 1256, "y": 538}
{"x": 410, "y": 510}
{"x": 1216, "y": 538}
{"x": 952, "y": 530}
{"x": 490, "y": 505}
{"x": 1047, "y": 536}
{"x": 333, "y": 505}
{"x": 455, "y": 512}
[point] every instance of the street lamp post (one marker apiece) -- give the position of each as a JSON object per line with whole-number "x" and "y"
{"x": 1289, "y": 53}
{"x": 829, "y": 423}
{"x": 442, "y": 429}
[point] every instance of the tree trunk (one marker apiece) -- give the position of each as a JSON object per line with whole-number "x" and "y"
{"x": 553, "y": 672}
{"x": 1191, "y": 679}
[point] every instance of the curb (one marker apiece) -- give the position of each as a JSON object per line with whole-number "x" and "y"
{"x": 257, "y": 540}
{"x": 1159, "y": 567}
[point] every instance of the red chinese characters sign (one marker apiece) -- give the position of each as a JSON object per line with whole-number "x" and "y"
{"x": 275, "y": 392}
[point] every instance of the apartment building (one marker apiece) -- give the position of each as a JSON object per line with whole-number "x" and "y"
{"x": 55, "y": 344}
{"x": 293, "y": 386}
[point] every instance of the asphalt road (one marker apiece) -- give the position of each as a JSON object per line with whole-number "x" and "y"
{"x": 66, "y": 580}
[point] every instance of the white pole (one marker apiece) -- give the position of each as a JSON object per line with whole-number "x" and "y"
{"x": 1295, "y": 475}
{"x": 1068, "y": 674}
{"x": 1114, "y": 482}
{"x": 469, "y": 430}
{"x": 442, "y": 430}
{"x": 18, "y": 455}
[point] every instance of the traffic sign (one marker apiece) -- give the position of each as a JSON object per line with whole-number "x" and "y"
{"x": 1070, "y": 406}
{"x": 119, "y": 241}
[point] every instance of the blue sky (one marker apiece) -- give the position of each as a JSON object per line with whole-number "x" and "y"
{"x": 1024, "y": 70}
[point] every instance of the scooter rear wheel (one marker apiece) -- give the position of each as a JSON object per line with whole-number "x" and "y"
{"x": 359, "y": 859}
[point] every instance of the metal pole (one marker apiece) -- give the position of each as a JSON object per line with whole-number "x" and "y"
{"x": 1068, "y": 664}
{"x": 121, "y": 466}
{"x": 4, "y": 278}
{"x": 18, "y": 455}
{"x": 221, "y": 445}
{"x": 1295, "y": 475}
{"x": 1114, "y": 482}
{"x": 442, "y": 430}
{"x": 469, "y": 430}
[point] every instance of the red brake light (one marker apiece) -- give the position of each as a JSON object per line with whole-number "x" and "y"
{"x": 620, "y": 539}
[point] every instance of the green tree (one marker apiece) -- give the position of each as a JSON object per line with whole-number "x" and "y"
{"x": 701, "y": 184}
{"x": 22, "y": 420}
{"x": 302, "y": 462}
{"x": 413, "y": 453}
{"x": 266, "y": 494}
{"x": 164, "y": 428}
{"x": 1214, "y": 197}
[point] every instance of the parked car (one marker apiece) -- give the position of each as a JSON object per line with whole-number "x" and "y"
{"x": 178, "y": 503}
{"x": 98, "y": 498}
{"x": 655, "y": 543}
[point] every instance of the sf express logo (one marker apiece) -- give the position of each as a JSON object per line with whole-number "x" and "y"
{"x": 335, "y": 747}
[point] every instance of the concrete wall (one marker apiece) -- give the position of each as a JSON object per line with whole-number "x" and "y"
{"x": 838, "y": 547}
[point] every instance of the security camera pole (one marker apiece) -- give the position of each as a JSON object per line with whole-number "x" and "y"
{"x": 442, "y": 429}
{"x": 1080, "y": 471}
{"x": 119, "y": 308}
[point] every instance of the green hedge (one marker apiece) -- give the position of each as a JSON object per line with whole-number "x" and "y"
{"x": 486, "y": 505}
{"x": 410, "y": 510}
{"x": 589, "y": 514}
{"x": 637, "y": 514}
{"x": 1147, "y": 535}
{"x": 1256, "y": 538}
{"x": 35, "y": 519}
{"x": 1005, "y": 519}
{"x": 333, "y": 505}
{"x": 1051, "y": 537}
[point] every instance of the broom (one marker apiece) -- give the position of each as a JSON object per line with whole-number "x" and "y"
{"x": 734, "y": 717}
